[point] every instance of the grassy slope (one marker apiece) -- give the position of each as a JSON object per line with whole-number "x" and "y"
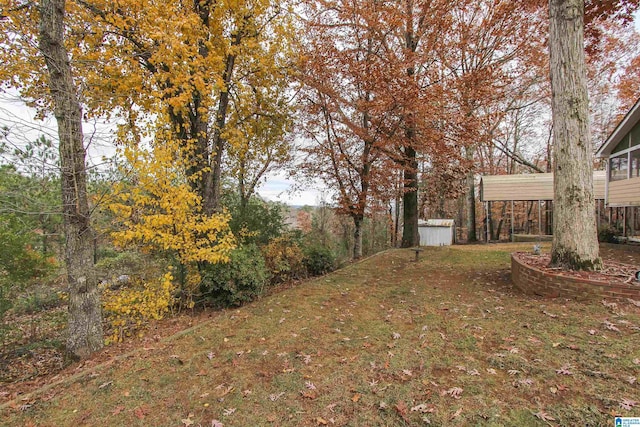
{"x": 384, "y": 342}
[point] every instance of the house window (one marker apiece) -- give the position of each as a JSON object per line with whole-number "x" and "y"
{"x": 635, "y": 135}
{"x": 622, "y": 145}
{"x": 635, "y": 163}
{"x": 618, "y": 167}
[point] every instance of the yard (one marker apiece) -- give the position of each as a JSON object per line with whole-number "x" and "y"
{"x": 387, "y": 341}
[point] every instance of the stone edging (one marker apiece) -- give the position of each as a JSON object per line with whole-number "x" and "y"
{"x": 533, "y": 281}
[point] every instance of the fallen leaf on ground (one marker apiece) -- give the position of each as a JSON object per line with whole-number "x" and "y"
{"x": 456, "y": 414}
{"x": 401, "y": 409}
{"x": 226, "y": 391}
{"x": 423, "y": 408}
{"x": 454, "y": 392}
{"x": 628, "y": 404}
{"x": 117, "y": 410}
{"x": 610, "y": 326}
{"x": 141, "y": 412}
{"x": 544, "y": 416}
{"x": 309, "y": 394}
{"x": 275, "y": 396}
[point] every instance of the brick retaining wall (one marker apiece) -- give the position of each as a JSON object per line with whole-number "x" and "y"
{"x": 533, "y": 281}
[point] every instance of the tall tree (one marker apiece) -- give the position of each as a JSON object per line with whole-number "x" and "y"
{"x": 575, "y": 240}
{"x": 344, "y": 116}
{"x": 258, "y": 129}
{"x": 412, "y": 32}
{"x": 194, "y": 67}
{"x": 488, "y": 59}
{"x": 85, "y": 317}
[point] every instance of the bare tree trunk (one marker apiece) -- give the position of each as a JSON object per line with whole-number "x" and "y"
{"x": 575, "y": 240}
{"x": 471, "y": 208}
{"x": 410, "y": 235}
{"x": 398, "y": 191}
{"x": 211, "y": 199}
{"x": 85, "y": 316}
{"x": 357, "y": 237}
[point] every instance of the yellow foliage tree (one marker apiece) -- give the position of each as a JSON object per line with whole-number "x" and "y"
{"x": 200, "y": 70}
{"x": 159, "y": 211}
{"x": 189, "y": 66}
{"x": 129, "y": 308}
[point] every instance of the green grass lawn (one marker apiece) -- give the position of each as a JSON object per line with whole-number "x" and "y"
{"x": 384, "y": 342}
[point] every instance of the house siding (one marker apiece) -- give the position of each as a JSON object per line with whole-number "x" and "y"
{"x": 529, "y": 187}
{"x": 625, "y": 192}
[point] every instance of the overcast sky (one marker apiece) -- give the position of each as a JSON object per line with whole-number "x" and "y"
{"x": 24, "y": 127}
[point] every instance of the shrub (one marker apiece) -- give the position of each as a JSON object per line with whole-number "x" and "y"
{"x": 257, "y": 222}
{"x": 240, "y": 280}
{"x": 20, "y": 264}
{"x": 284, "y": 259}
{"x": 38, "y": 299}
{"x": 117, "y": 263}
{"x": 608, "y": 234}
{"x": 129, "y": 308}
{"x": 319, "y": 259}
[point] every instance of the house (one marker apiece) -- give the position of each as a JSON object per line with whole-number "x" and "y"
{"x": 622, "y": 153}
{"x": 531, "y": 189}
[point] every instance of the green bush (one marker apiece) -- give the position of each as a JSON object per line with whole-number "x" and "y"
{"x": 38, "y": 299}
{"x": 257, "y": 222}
{"x": 608, "y": 234}
{"x": 238, "y": 281}
{"x": 120, "y": 262}
{"x": 20, "y": 264}
{"x": 319, "y": 259}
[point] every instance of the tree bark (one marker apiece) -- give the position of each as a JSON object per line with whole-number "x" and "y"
{"x": 575, "y": 240}
{"x": 212, "y": 188}
{"x": 85, "y": 316}
{"x": 357, "y": 237}
{"x": 471, "y": 201}
{"x": 410, "y": 235}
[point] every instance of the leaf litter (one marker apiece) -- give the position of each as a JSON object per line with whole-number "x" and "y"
{"x": 455, "y": 337}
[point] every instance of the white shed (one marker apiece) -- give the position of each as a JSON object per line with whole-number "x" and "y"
{"x": 437, "y": 232}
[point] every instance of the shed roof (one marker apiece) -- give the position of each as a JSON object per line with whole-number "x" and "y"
{"x": 437, "y": 223}
{"x": 538, "y": 186}
{"x": 623, "y": 128}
